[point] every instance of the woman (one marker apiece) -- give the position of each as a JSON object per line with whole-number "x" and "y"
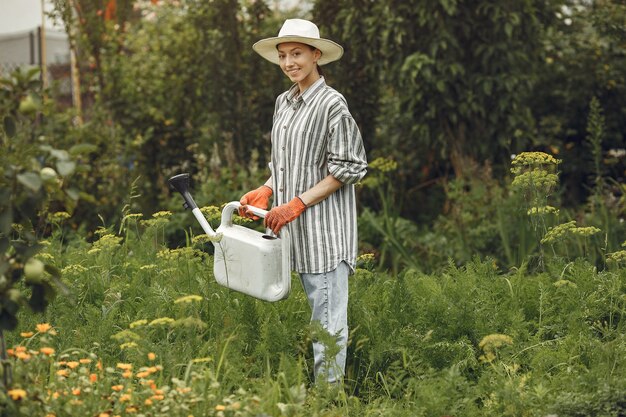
{"x": 317, "y": 157}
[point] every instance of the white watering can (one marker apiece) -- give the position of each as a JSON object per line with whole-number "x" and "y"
{"x": 245, "y": 260}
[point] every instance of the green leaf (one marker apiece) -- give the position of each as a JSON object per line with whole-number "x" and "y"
{"x": 508, "y": 29}
{"x": 65, "y": 168}
{"x": 30, "y": 180}
{"x": 9, "y": 126}
{"x": 73, "y": 193}
{"x": 60, "y": 154}
{"x": 83, "y": 148}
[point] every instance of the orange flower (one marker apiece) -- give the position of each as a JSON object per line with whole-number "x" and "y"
{"x": 56, "y": 395}
{"x": 47, "y": 351}
{"x": 17, "y": 394}
{"x": 76, "y": 391}
{"x": 125, "y": 397}
{"x": 148, "y": 402}
{"x": 11, "y": 352}
{"x": 220, "y": 407}
{"x": 158, "y": 392}
{"x": 125, "y": 366}
{"x": 72, "y": 364}
{"x": 27, "y": 334}
{"x": 143, "y": 374}
{"x": 104, "y": 415}
{"x": 43, "y": 327}
{"x": 117, "y": 387}
{"x": 84, "y": 361}
{"x": 99, "y": 365}
{"x": 20, "y": 349}
{"x": 157, "y": 397}
{"x": 63, "y": 372}
{"x": 22, "y": 355}
{"x": 151, "y": 356}
{"x": 131, "y": 410}
{"x": 183, "y": 390}
{"x": 93, "y": 378}
{"x": 127, "y": 374}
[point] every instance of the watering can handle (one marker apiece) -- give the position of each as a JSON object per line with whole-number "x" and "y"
{"x": 257, "y": 211}
{"x": 227, "y": 212}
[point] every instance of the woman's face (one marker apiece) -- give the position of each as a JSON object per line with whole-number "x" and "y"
{"x": 299, "y": 62}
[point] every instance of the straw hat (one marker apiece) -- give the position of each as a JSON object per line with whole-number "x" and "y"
{"x": 303, "y": 31}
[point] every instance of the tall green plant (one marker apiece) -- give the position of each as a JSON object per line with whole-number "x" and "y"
{"x": 33, "y": 182}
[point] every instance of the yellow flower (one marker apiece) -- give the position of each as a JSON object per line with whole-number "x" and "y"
{"x": 138, "y": 323}
{"x": 43, "y": 327}
{"x": 131, "y": 410}
{"x": 125, "y": 366}
{"x": 151, "y": 356}
{"x": 104, "y": 415}
{"x": 27, "y": 334}
{"x": 163, "y": 213}
{"x": 188, "y": 299}
{"x": 220, "y": 407}
{"x": 161, "y": 320}
{"x": 17, "y": 394}
{"x": 490, "y": 343}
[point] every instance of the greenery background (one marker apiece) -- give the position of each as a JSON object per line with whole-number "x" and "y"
{"x": 446, "y": 94}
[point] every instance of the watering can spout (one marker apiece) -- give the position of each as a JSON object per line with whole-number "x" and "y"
{"x": 180, "y": 183}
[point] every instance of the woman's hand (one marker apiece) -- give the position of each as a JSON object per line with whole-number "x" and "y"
{"x": 279, "y": 216}
{"x": 258, "y": 198}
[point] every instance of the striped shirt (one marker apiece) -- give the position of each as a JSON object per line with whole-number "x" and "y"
{"x": 314, "y": 135}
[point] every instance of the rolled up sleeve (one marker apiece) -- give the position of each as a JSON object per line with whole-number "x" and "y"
{"x": 347, "y": 160}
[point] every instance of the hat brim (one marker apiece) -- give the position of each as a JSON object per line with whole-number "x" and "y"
{"x": 331, "y": 51}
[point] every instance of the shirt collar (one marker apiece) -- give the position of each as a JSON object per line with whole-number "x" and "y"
{"x": 308, "y": 94}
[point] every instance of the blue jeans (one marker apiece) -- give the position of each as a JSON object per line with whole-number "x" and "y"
{"x": 328, "y": 297}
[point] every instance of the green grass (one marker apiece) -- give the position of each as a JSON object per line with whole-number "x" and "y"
{"x": 415, "y": 341}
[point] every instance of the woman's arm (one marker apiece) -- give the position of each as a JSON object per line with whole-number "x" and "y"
{"x": 321, "y": 190}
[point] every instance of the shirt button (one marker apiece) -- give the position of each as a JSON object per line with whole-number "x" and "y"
{"x": 282, "y": 169}
{"x": 280, "y": 189}
{"x": 283, "y": 148}
{"x": 284, "y": 127}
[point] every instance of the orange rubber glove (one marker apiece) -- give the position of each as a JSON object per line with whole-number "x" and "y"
{"x": 258, "y": 198}
{"x": 279, "y": 216}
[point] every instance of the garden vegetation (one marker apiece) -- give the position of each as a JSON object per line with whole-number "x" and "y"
{"x": 492, "y": 275}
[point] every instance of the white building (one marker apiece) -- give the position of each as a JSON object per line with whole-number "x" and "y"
{"x": 25, "y": 49}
